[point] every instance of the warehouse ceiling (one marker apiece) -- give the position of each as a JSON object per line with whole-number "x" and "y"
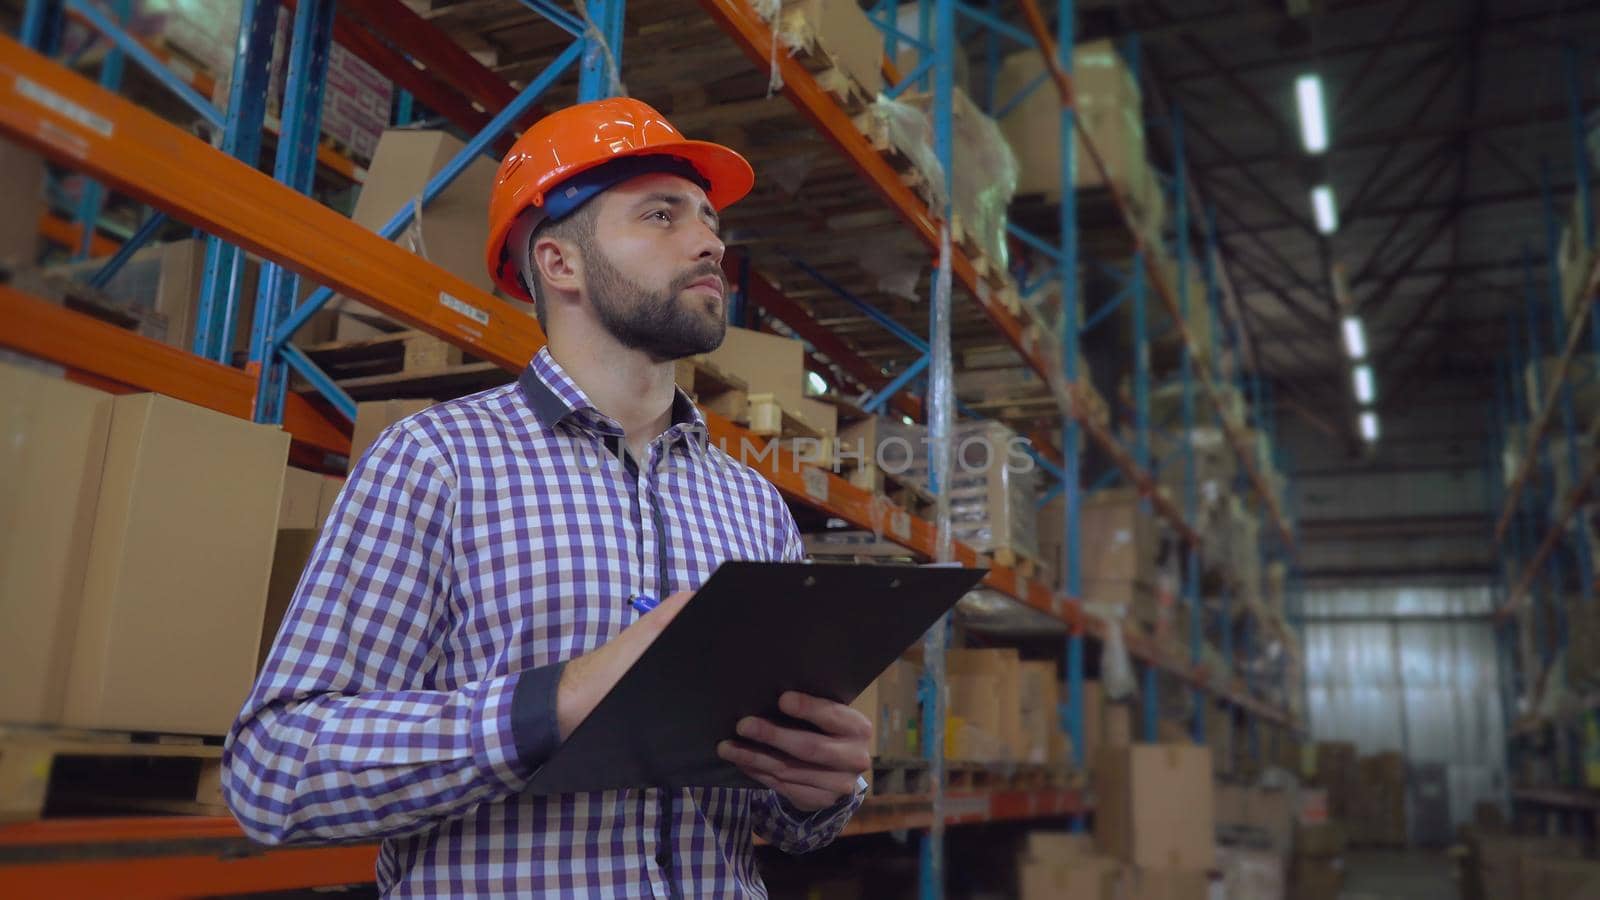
{"x": 1442, "y": 115}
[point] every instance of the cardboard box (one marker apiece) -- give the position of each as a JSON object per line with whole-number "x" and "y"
{"x": 1167, "y": 884}
{"x": 1327, "y": 839}
{"x": 770, "y": 364}
{"x": 1118, "y": 725}
{"x": 1156, "y": 806}
{"x": 374, "y": 416}
{"x": 1321, "y": 878}
{"x": 176, "y": 581}
{"x": 841, "y": 30}
{"x": 1057, "y": 846}
{"x": 1252, "y": 874}
{"x": 1119, "y": 542}
{"x": 1089, "y": 878}
{"x": 22, "y": 183}
{"x": 1560, "y": 879}
{"x": 985, "y": 695}
{"x": 1273, "y": 812}
{"x": 891, "y": 703}
{"x": 52, "y": 447}
{"x": 1109, "y": 111}
{"x": 1232, "y": 805}
{"x": 454, "y": 228}
{"x": 973, "y": 730}
{"x": 302, "y": 499}
{"x": 1041, "y": 710}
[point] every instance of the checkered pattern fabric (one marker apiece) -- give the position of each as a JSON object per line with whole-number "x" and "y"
{"x": 478, "y": 539}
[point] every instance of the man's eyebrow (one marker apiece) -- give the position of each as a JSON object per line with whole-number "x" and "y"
{"x": 678, "y": 201}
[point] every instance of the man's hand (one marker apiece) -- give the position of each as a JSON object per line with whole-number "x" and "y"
{"x": 812, "y": 771}
{"x": 588, "y": 678}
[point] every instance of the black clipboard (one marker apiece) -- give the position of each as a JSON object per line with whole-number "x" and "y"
{"x": 752, "y": 631}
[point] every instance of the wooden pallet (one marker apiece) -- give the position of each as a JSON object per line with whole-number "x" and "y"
{"x": 900, "y": 777}
{"x": 63, "y": 290}
{"x": 49, "y": 771}
{"x": 404, "y": 364}
{"x": 1025, "y": 564}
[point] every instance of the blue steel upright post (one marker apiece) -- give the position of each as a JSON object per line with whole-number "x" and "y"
{"x": 296, "y": 167}
{"x": 940, "y": 429}
{"x": 1191, "y": 500}
{"x": 223, "y": 272}
{"x": 1072, "y": 503}
{"x": 94, "y": 193}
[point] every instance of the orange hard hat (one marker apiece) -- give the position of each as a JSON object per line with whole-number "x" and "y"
{"x": 582, "y": 138}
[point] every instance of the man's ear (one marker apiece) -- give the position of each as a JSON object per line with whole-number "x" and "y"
{"x": 558, "y": 263}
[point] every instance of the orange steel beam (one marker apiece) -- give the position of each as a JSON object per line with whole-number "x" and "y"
{"x": 1577, "y": 336}
{"x": 1558, "y": 529}
{"x": 40, "y": 329}
{"x": 191, "y": 875}
{"x": 57, "y": 230}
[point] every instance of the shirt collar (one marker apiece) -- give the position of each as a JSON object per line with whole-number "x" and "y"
{"x": 554, "y": 396}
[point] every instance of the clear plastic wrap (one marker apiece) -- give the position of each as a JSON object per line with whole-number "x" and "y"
{"x": 985, "y": 172}
{"x": 1117, "y": 680}
{"x": 909, "y": 129}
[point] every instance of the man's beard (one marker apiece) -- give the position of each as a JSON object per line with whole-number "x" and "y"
{"x": 654, "y": 323}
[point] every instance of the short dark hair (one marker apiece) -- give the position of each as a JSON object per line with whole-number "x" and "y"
{"x": 577, "y": 228}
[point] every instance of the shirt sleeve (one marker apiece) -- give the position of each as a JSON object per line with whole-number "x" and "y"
{"x": 781, "y": 824}
{"x": 795, "y": 831}
{"x": 345, "y": 735}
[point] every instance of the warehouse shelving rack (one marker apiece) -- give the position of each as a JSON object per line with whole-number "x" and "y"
{"x": 1535, "y": 525}
{"x": 88, "y": 128}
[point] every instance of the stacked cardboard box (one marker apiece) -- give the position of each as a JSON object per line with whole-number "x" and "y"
{"x": 1109, "y": 108}
{"x": 22, "y": 183}
{"x": 1040, "y": 701}
{"x": 1317, "y": 870}
{"x": 1494, "y": 864}
{"x": 1271, "y": 812}
{"x": 1056, "y": 865}
{"x": 1251, "y": 874}
{"x": 1155, "y": 812}
{"x": 1336, "y": 771}
{"x": 771, "y": 364}
{"x": 140, "y": 528}
{"x": 891, "y": 703}
{"x": 1560, "y": 879}
{"x": 1377, "y": 810}
{"x": 983, "y": 706}
{"x": 1118, "y": 549}
{"x": 840, "y": 31}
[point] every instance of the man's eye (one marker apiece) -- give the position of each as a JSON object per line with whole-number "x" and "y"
{"x": 661, "y": 215}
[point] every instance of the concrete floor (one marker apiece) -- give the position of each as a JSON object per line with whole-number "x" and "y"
{"x": 1399, "y": 875}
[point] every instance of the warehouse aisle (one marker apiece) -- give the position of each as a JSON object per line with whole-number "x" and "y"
{"x": 1398, "y": 875}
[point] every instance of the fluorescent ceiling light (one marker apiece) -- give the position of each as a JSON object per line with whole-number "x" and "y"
{"x": 1355, "y": 338}
{"x": 1369, "y": 427}
{"x": 1364, "y": 389}
{"x": 1313, "y": 116}
{"x": 818, "y": 384}
{"x": 1327, "y": 212}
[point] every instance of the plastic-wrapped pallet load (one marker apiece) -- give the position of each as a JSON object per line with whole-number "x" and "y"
{"x": 992, "y": 490}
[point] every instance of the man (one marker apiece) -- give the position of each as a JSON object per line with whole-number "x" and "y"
{"x": 471, "y": 598}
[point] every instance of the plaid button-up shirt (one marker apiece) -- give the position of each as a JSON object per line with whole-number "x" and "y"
{"x": 477, "y": 542}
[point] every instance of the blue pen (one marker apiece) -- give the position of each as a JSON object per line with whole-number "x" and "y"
{"x": 643, "y": 603}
